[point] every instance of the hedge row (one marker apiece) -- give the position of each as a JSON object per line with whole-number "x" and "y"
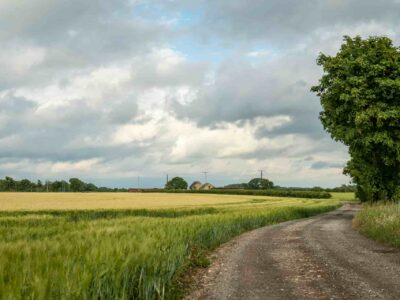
{"x": 277, "y": 193}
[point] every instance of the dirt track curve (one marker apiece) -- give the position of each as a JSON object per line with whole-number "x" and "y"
{"x": 316, "y": 258}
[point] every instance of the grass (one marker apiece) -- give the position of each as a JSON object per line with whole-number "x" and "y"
{"x": 380, "y": 222}
{"x": 74, "y": 246}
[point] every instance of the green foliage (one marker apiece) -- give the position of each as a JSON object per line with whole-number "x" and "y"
{"x": 75, "y": 185}
{"x": 236, "y": 186}
{"x": 176, "y": 183}
{"x": 360, "y": 96}
{"x": 258, "y": 183}
{"x": 118, "y": 254}
{"x": 272, "y": 192}
{"x": 380, "y": 222}
{"x": 343, "y": 189}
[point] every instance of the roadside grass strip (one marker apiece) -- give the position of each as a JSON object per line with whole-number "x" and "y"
{"x": 380, "y": 222}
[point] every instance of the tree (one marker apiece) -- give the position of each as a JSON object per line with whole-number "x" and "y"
{"x": 76, "y": 185}
{"x": 9, "y": 184}
{"x": 258, "y": 183}
{"x": 56, "y": 186}
{"x": 176, "y": 183}
{"x": 39, "y": 186}
{"x": 24, "y": 185}
{"x": 236, "y": 186}
{"x": 90, "y": 187}
{"x": 360, "y": 97}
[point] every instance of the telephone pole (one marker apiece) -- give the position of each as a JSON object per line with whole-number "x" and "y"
{"x": 261, "y": 174}
{"x": 167, "y": 178}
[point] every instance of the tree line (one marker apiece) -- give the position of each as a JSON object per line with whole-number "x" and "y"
{"x": 178, "y": 183}
{"x": 8, "y": 184}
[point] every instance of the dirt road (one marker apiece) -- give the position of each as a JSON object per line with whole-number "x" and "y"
{"x": 317, "y": 258}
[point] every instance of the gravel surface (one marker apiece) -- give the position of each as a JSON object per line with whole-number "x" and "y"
{"x": 316, "y": 258}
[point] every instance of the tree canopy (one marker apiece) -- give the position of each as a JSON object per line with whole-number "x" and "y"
{"x": 360, "y": 97}
{"x": 258, "y": 183}
{"x": 176, "y": 183}
{"x": 9, "y": 184}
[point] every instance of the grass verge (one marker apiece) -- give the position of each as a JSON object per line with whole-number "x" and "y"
{"x": 380, "y": 222}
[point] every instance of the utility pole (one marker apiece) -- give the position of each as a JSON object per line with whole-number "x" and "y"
{"x": 261, "y": 174}
{"x": 167, "y": 178}
{"x": 205, "y": 176}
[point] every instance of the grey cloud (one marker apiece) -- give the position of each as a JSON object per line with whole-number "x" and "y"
{"x": 243, "y": 90}
{"x": 324, "y": 165}
{"x": 16, "y": 105}
{"x": 73, "y": 35}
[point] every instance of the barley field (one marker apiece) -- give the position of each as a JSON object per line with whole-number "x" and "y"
{"x": 124, "y": 245}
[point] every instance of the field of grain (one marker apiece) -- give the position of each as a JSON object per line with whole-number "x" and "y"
{"x": 125, "y": 246}
{"x": 90, "y": 201}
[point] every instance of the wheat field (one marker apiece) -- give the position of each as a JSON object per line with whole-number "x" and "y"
{"x": 124, "y": 246}
{"x": 85, "y": 201}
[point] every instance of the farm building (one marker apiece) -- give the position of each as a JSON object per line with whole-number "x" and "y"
{"x": 207, "y": 186}
{"x": 196, "y": 185}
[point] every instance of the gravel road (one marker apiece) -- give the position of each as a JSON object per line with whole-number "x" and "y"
{"x": 316, "y": 258}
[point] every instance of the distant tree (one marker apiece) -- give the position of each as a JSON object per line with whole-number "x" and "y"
{"x": 64, "y": 186}
{"x": 56, "y": 186}
{"x": 176, "y": 183}
{"x": 258, "y": 183}
{"x": 317, "y": 189}
{"x": 236, "y": 186}
{"x": 76, "y": 185}
{"x": 360, "y": 97}
{"x": 24, "y": 185}
{"x": 39, "y": 186}
{"x": 9, "y": 184}
{"x": 90, "y": 187}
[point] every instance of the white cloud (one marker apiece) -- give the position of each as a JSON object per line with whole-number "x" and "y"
{"x": 258, "y": 53}
{"x": 17, "y": 60}
{"x": 79, "y": 166}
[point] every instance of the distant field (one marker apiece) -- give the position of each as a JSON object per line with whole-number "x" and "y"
{"x": 124, "y": 245}
{"x": 68, "y": 201}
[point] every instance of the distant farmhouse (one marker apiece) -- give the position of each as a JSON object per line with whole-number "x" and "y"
{"x": 197, "y": 185}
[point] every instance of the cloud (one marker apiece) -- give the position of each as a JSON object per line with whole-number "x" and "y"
{"x": 118, "y": 89}
{"x": 282, "y": 23}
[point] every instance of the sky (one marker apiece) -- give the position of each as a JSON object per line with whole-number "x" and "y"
{"x": 123, "y": 92}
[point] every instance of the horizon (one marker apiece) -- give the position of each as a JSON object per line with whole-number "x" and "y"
{"x": 107, "y": 92}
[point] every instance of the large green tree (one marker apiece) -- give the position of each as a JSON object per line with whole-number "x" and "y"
{"x": 360, "y": 97}
{"x": 176, "y": 183}
{"x": 76, "y": 185}
{"x": 258, "y": 183}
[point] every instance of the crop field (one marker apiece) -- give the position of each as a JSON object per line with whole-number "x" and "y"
{"x": 124, "y": 245}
